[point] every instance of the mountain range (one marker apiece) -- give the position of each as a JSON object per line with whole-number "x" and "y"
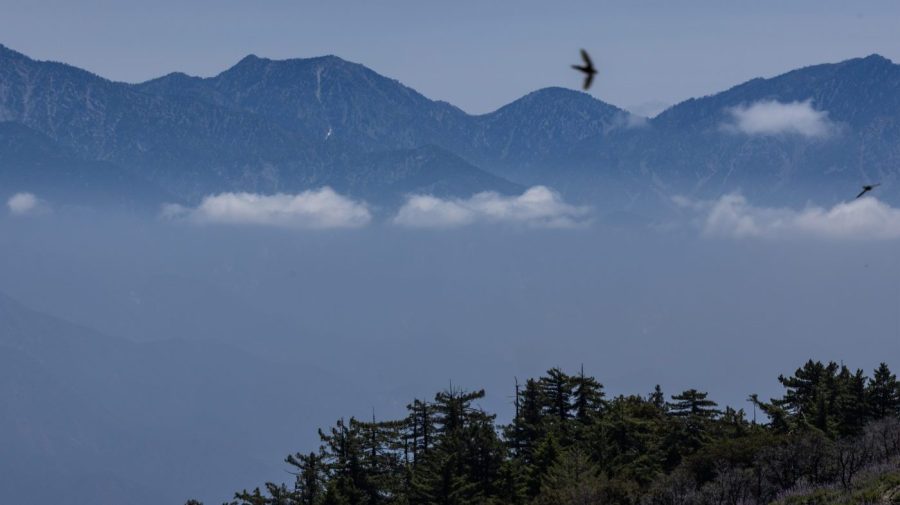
{"x": 269, "y": 126}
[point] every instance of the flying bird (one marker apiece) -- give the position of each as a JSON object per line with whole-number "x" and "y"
{"x": 588, "y": 69}
{"x": 867, "y": 188}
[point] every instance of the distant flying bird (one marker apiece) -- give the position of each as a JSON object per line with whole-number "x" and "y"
{"x": 588, "y": 69}
{"x": 867, "y": 188}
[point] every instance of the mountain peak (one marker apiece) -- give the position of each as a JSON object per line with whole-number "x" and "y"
{"x": 249, "y": 59}
{"x": 557, "y": 96}
{"x": 558, "y": 92}
{"x": 252, "y": 59}
{"x": 877, "y": 58}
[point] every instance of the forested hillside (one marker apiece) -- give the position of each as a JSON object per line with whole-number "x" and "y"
{"x": 833, "y": 437}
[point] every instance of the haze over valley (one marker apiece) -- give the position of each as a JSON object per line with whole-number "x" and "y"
{"x": 198, "y": 273}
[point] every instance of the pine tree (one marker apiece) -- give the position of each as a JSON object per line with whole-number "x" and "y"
{"x": 693, "y": 413}
{"x": 347, "y": 483}
{"x": 557, "y": 387}
{"x": 311, "y": 479}
{"x": 381, "y": 449}
{"x": 630, "y": 439}
{"x": 850, "y": 405}
{"x": 657, "y": 398}
{"x": 587, "y": 397}
{"x": 527, "y": 429}
{"x": 513, "y": 482}
{"x": 693, "y": 403}
{"x": 810, "y": 395}
{"x": 545, "y": 456}
{"x": 883, "y": 393}
{"x": 419, "y": 432}
{"x": 572, "y": 480}
{"x": 463, "y": 465}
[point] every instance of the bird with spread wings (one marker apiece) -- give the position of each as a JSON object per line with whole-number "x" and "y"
{"x": 867, "y": 188}
{"x": 588, "y": 69}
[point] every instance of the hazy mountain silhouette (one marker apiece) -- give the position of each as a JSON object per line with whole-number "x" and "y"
{"x": 267, "y": 126}
{"x": 110, "y": 418}
{"x": 693, "y": 147}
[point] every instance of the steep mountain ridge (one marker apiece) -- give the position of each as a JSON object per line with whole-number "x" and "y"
{"x": 287, "y": 125}
{"x": 188, "y": 147}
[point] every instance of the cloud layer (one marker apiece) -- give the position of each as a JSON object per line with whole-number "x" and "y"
{"x": 864, "y": 219}
{"x": 539, "y": 206}
{"x": 314, "y": 209}
{"x": 23, "y": 204}
{"x": 769, "y": 117}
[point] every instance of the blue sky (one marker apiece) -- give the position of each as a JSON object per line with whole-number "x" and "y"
{"x": 475, "y": 54}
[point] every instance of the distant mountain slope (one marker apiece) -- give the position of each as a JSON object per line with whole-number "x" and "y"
{"x": 693, "y": 147}
{"x": 284, "y": 126}
{"x": 539, "y": 129}
{"x": 109, "y": 419}
{"x": 424, "y": 170}
{"x": 31, "y": 161}
{"x": 330, "y": 98}
{"x": 326, "y": 98}
{"x": 188, "y": 146}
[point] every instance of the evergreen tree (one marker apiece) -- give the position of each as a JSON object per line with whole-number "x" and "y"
{"x": 883, "y": 393}
{"x": 693, "y": 413}
{"x": 513, "y": 483}
{"x": 348, "y": 483}
{"x": 557, "y": 389}
{"x": 527, "y": 429}
{"x": 572, "y": 480}
{"x": 587, "y": 396}
{"x": 419, "y": 431}
{"x": 545, "y": 456}
{"x": 463, "y": 465}
{"x": 693, "y": 403}
{"x": 657, "y": 398}
{"x": 631, "y": 437}
{"x": 810, "y": 396}
{"x": 381, "y": 450}
{"x": 311, "y": 477}
{"x": 850, "y": 405}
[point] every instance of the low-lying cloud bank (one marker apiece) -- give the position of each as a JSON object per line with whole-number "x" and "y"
{"x": 731, "y": 216}
{"x": 539, "y": 206}
{"x": 314, "y": 209}
{"x": 770, "y": 117}
{"x": 25, "y": 204}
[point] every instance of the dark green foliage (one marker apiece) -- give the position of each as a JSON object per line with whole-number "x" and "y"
{"x": 884, "y": 393}
{"x": 587, "y": 396}
{"x": 311, "y": 477}
{"x": 567, "y": 443}
{"x": 572, "y": 480}
{"x": 465, "y": 461}
{"x": 693, "y": 417}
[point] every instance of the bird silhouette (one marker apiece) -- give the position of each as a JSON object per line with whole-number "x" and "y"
{"x": 867, "y": 188}
{"x": 588, "y": 69}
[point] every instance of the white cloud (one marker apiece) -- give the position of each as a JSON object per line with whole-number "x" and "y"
{"x": 626, "y": 120}
{"x": 538, "y": 206}
{"x": 322, "y": 208}
{"x": 863, "y": 219}
{"x": 769, "y": 117}
{"x": 22, "y": 204}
